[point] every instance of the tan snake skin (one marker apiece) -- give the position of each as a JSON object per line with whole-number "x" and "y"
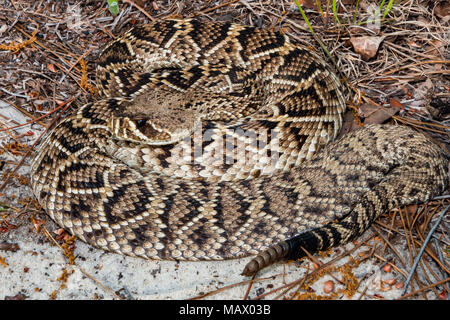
{"x": 126, "y": 173}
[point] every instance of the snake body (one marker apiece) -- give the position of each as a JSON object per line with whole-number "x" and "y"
{"x": 126, "y": 173}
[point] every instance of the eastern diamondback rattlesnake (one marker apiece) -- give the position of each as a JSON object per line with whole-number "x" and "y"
{"x": 203, "y": 150}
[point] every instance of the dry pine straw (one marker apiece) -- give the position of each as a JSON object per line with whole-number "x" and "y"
{"x": 412, "y": 51}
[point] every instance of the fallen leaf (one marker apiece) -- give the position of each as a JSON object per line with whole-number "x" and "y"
{"x": 18, "y": 296}
{"x": 37, "y": 224}
{"x": 365, "y": 110}
{"x": 366, "y": 46}
{"x": 394, "y": 103}
{"x": 414, "y": 45}
{"x": 310, "y": 4}
{"x": 424, "y": 90}
{"x": 51, "y": 67}
{"x": 437, "y": 48}
{"x": 442, "y": 10}
{"x": 3, "y": 262}
{"x": 140, "y": 3}
{"x": 6, "y": 246}
{"x": 375, "y": 114}
{"x": 349, "y": 124}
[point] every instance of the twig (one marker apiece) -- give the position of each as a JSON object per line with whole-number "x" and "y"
{"x": 422, "y": 249}
{"x": 379, "y": 233}
{"x": 229, "y": 286}
{"x": 248, "y": 288}
{"x": 214, "y": 8}
{"x": 99, "y": 283}
{"x": 67, "y": 104}
{"x": 140, "y": 9}
{"x": 38, "y": 118}
{"x": 47, "y": 233}
{"x": 424, "y": 288}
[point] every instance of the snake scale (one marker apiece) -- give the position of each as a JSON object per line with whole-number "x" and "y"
{"x": 216, "y": 141}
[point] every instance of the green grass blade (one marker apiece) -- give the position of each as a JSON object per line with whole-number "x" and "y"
{"x": 356, "y": 11}
{"x": 389, "y": 6}
{"x": 324, "y": 48}
{"x": 304, "y": 16}
{"x": 335, "y": 13}
{"x": 319, "y": 7}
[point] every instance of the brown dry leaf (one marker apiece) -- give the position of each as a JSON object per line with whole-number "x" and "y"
{"x": 51, "y": 67}
{"x": 140, "y": 3}
{"x": 18, "y": 296}
{"x": 37, "y": 223}
{"x": 437, "y": 48}
{"x": 366, "y": 46}
{"x": 349, "y": 124}
{"x": 414, "y": 44}
{"x": 6, "y": 246}
{"x": 394, "y": 103}
{"x": 442, "y": 10}
{"x": 423, "y": 90}
{"x": 310, "y": 4}
{"x": 375, "y": 114}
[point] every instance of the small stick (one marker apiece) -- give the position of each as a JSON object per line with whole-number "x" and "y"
{"x": 228, "y": 287}
{"x": 67, "y": 104}
{"x": 424, "y": 288}
{"x": 389, "y": 245}
{"x": 38, "y": 118}
{"x": 214, "y": 8}
{"x": 47, "y": 233}
{"x": 248, "y": 288}
{"x": 76, "y": 62}
{"x": 140, "y": 9}
{"x": 422, "y": 249}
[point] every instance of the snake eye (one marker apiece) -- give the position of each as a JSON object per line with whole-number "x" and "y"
{"x": 140, "y": 123}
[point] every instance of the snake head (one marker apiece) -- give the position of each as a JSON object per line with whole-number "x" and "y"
{"x": 145, "y": 131}
{"x": 154, "y": 118}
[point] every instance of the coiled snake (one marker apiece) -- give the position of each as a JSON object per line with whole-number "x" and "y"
{"x": 204, "y": 148}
